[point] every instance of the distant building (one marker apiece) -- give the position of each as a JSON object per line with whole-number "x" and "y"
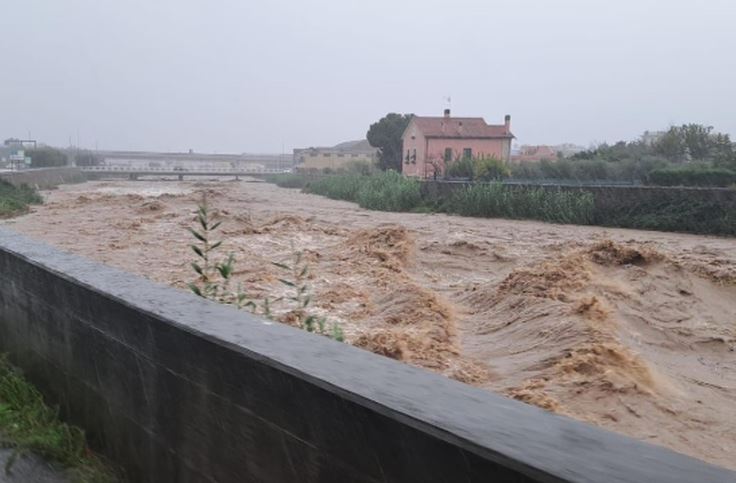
{"x": 430, "y": 144}
{"x": 568, "y": 149}
{"x": 527, "y": 153}
{"x": 534, "y": 153}
{"x": 335, "y": 157}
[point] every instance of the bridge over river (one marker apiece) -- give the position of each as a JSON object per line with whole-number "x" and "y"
{"x": 133, "y": 172}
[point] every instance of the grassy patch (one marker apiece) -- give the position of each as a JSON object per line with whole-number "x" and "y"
{"x": 385, "y": 191}
{"x": 338, "y": 187}
{"x": 27, "y": 424}
{"x": 288, "y": 180}
{"x": 499, "y": 201}
{"x": 14, "y": 200}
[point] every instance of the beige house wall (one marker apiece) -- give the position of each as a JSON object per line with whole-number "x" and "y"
{"x": 332, "y": 160}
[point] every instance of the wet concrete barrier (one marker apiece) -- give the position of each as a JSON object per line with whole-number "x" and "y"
{"x": 44, "y": 178}
{"x": 178, "y": 389}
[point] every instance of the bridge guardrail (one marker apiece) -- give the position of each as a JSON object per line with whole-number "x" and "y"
{"x": 184, "y": 171}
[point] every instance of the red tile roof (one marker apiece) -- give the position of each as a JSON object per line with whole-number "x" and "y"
{"x": 459, "y": 127}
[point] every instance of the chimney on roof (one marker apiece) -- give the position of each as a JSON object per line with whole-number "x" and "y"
{"x": 447, "y": 113}
{"x": 507, "y": 122}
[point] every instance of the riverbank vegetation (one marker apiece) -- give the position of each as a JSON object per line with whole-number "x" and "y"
{"x": 498, "y": 201}
{"x": 14, "y": 200}
{"x": 390, "y": 191}
{"x": 27, "y": 424}
{"x": 665, "y": 209}
{"x": 383, "y": 191}
{"x": 686, "y": 155}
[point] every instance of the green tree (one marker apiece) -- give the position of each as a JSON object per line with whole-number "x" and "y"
{"x": 46, "y": 156}
{"x": 671, "y": 145}
{"x": 461, "y": 168}
{"x": 722, "y": 152}
{"x": 386, "y": 136}
{"x": 694, "y": 140}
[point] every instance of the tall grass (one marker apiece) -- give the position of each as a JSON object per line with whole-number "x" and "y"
{"x": 672, "y": 211}
{"x": 27, "y": 424}
{"x": 288, "y": 180}
{"x": 385, "y": 191}
{"x": 338, "y": 187}
{"x": 499, "y": 201}
{"x": 14, "y": 200}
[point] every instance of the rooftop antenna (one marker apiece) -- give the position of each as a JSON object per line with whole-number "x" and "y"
{"x": 448, "y": 100}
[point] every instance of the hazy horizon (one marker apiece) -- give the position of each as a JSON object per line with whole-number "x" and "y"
{"x": 228, "y": 77}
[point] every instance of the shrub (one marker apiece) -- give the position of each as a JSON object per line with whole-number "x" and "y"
{"x": 15, "y": 199}
{"x": 490, "y": 169}
{"x": 692, "y": 176}
{"x": 588, "y": 169}
{"x": 461, "y": 168}
{"x": 481, "y": 169}
{"x": 29, "y": 425}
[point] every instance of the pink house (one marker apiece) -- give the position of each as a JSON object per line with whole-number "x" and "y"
{"x": 431, "y": 143}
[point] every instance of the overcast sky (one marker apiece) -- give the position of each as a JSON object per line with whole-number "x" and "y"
{"x": 262, "y": 76}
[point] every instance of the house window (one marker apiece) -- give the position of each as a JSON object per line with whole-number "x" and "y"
{"x": 467, "y": 153}
{"x": 448, "y": 154}
{"x": 340, "y": 155}
{"x": 414, "y": 156}
{"x": 408, "y": 156}
{"x": 326, "y": 155}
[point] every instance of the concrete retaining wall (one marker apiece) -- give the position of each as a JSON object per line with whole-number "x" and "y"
{"x": 178, "y": 389}
{"x": 44, "y": 178}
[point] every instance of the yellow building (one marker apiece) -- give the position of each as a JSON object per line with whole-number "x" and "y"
{"x": 336, "y": 157}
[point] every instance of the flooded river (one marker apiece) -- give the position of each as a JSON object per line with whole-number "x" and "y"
{"x": 633, "y": 331}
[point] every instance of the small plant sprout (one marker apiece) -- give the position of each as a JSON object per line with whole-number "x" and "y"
{"x": 297, "y": 274}
{"x": 214, "y": 278}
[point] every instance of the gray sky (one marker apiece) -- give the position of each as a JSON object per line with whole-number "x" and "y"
{"x": 235, "y": 76}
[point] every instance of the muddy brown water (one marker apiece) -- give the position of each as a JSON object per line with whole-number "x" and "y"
{"x": 630, "y": 330}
